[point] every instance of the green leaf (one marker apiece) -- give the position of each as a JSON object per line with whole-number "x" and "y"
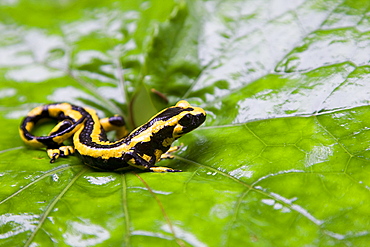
{"x": 282, "y": 159}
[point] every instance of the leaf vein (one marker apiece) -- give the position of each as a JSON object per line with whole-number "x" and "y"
{"x": 51, "y": 206}
{"x": 55, "y": 170}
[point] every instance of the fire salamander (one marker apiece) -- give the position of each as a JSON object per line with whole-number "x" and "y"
{"x": 142, "y": 148}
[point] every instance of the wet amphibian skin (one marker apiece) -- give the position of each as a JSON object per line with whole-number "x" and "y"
{"x": 142, "y": 148}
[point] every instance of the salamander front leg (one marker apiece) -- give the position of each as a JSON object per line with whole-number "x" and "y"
{"x": 162, "y": 169}
{"x": 168, "y": 154}
{"x": 135, "y": 160}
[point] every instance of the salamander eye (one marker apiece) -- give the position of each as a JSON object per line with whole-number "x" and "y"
{"x": 186, "y": 120}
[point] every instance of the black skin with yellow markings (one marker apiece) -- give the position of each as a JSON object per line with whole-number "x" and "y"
{"x": 142, "y": 148}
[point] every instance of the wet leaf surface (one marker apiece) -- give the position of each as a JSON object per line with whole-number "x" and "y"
{"x": 282, "y": 160}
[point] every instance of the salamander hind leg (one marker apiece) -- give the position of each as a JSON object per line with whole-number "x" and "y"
{"x": 115, "y": 123}
{"x": 62, "y": 151}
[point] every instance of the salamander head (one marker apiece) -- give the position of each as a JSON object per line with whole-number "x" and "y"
{"x": 188, "y": 119}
